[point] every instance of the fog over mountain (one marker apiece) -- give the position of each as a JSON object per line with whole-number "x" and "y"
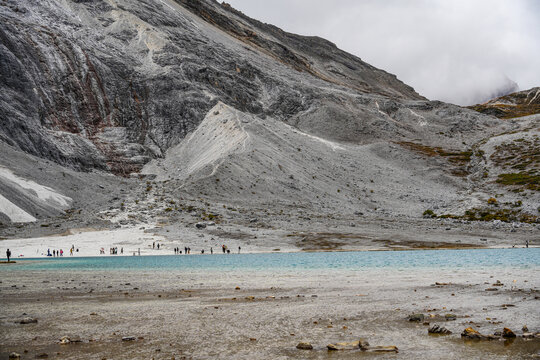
{"x": 463, "y": 52}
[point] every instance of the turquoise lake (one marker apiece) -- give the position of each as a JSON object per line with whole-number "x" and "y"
{"x": 437, "y": 259}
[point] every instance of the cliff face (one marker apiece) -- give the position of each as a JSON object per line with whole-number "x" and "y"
{"x": 113, "y": 84}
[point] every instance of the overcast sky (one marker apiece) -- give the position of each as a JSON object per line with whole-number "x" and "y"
{"x": 458, "y": 51}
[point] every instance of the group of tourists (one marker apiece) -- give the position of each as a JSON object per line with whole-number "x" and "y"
{"x": 55, "y": 253}
{"x": 187, "y": 250}
{"x": 114, "y": 250}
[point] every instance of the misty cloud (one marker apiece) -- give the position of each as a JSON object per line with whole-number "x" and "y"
{"x": 458, "y": 51}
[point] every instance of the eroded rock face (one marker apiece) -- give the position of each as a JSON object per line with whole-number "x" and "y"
{"x": 112, "y": 85}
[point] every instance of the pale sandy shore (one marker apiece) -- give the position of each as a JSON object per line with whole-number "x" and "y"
{"x": 202, "y": 315}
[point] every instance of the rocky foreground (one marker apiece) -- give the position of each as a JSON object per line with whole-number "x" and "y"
{"x": 280, "y": 314}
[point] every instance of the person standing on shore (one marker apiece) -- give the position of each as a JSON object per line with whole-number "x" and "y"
{"x": 8, "y": 254}
{"x": 211, "y": 251}
{"x": 526, "y": 243}
{"x": 239, "y": 248}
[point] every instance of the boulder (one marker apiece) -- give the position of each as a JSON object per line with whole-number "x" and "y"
{"x": 304, "y": 346}
{"x": 416, "y": 317}
{"x": 507, "y": 333}
{"x": 14, "y": 356}
{"x": 436, "y": 329}
{"x": 200, "y": 225}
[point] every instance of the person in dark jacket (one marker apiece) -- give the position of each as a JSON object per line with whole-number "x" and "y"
{"x": 8, "y": 253}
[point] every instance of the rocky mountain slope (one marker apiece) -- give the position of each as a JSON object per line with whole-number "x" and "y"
{"x": 517, "y": 104}
{"x": 226, "y": 111}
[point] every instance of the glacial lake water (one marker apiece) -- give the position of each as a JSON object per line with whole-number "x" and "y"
{"x": 355, "y": 260}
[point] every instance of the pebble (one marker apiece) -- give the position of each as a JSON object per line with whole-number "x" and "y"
{"x": 128, "y": 338}
{"x": 14, "y": 356}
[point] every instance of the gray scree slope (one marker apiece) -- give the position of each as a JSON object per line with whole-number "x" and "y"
{"x": 219, "y": 106}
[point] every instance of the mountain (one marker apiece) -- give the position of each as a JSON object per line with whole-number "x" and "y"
{"x": 517, "y": 104}
{"x": 121, "y": 105}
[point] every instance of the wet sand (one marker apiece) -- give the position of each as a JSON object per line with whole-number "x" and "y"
{"x": 201, "y": 314}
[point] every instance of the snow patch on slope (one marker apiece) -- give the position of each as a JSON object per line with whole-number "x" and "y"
{"x": 13, "y": 212}
{"x": 42, "y": 192}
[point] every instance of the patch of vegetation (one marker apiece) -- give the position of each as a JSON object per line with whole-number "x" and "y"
{"x": 521, "y": 154}
{"x": 429, "y": 214}
{"x": 490, "y": 214}
{"x": 455, "y": 157}
{"x": 528, "y": 180}
{"x": 507, "y": 111}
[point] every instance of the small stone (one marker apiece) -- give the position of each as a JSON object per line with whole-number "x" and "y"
{"x": 200, "y": 225}
{"x": 390, "y": 348}
{"x": 128, "y": 338}
{"x": 492, "y": 289}
{"x": 416, "y": 317}
{"x": 252, "y": 339}
{"x": 237, "y": 288}
{"x": 436, "y": 329}
{"x": 344, "y": 345}
{"x": 470, "y": 333}
{"x": 528, "y": 335}
{"x": 28, "y": 321}
{"x": 363, "y": 344}
{"x": 42, "y": 356}
{"x": 450, "y": 317}
{"x": 304, "y": 346}
{"x": 93, "y": 313}
{"x": 14, "y": 355}
{"x": 507, "y": 333}
{"x": 525, "y": 329}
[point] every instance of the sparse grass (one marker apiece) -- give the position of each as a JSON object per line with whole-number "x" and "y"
{"x": 490, "y": 214}
{"x": 459, "y": 158}
{"x": 521, "y": 179}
